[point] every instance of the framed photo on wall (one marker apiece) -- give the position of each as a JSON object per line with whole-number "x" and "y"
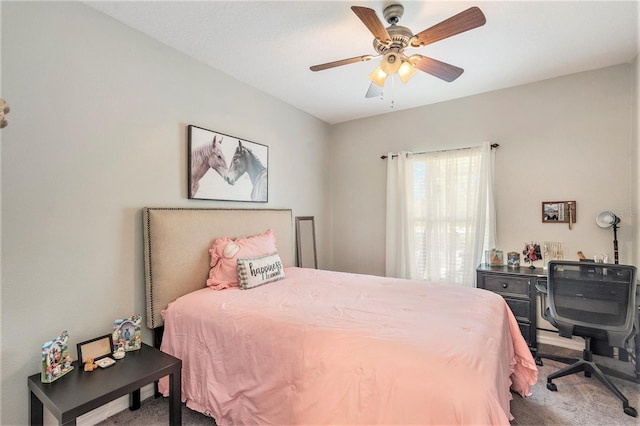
{"x": 559, "y": 212}
{"x": 226, "y": 168}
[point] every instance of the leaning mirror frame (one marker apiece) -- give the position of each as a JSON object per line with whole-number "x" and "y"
{"x": 306, "y": 256}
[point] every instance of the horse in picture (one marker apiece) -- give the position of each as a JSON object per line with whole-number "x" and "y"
{"x": 245, "y": 161}
{"x": 205, "y": 157}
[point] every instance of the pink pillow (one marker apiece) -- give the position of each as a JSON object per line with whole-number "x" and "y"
{"x": 225, "y": 253}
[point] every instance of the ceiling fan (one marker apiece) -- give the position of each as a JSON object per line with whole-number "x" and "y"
{"x": 391, "y": 43}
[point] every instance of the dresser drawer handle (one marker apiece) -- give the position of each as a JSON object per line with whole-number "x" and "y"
{"x": 505, "y": 285}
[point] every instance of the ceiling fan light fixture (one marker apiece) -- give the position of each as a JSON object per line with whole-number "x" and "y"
{"x": 378, "y": 76}
{"x": 391, "y": 63}
{"x": 391, "y": 43}
{"x": 406, "y": 71}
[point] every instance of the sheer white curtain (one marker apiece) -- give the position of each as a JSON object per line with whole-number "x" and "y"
{"x": 440, "y": 214}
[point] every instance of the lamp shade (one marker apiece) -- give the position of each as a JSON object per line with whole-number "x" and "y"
{"x": 378, "y": 76}
{"x": 607, "y": 219}
{"x": 406, "y": 71}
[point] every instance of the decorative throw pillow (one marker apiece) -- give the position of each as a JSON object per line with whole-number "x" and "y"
{"x": 256, "y": 271}
{"x": 225, "y": 252}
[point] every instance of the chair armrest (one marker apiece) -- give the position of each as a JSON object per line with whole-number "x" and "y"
{"x": 542, "y": 293}
{"x": 542, "y": 288}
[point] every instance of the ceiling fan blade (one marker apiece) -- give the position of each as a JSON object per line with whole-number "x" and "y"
{"x": 374, "y": 91}
{"x": 341, "y": 62}
{"x": 463, "y": 21}
{"x": 371, "y": 20}
{"x": 436, "y": 68}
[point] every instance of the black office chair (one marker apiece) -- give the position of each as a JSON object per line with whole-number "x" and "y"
{"x": 593, "y": 301}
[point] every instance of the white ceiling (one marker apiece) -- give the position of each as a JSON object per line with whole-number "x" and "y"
{"x": 271, "y": 45}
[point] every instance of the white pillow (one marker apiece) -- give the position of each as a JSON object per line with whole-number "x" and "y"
{"x": 256, "y": 271}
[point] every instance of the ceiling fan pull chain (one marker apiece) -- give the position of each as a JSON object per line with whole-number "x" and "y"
{"x": 393, "y": 102}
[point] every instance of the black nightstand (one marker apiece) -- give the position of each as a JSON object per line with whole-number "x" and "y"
{"x": 79, "y": 392}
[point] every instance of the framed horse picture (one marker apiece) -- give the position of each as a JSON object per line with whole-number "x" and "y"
{"x": 226, "y": 168}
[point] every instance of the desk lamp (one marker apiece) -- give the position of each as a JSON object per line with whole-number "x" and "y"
{"x": 608, "y": 219}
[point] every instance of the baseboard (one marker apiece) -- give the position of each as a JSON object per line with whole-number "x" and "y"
{"x": 102, "y": 413}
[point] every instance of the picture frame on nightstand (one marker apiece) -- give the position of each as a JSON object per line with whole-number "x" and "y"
{"x": 97, "y": 348}
{"x": 127, "y": 333}
{"x": 56, "y": 361}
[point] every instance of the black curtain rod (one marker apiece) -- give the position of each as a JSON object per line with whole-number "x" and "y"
{"x": 493, "y": 145}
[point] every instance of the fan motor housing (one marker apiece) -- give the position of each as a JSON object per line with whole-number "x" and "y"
{"x": 400, "y": 38}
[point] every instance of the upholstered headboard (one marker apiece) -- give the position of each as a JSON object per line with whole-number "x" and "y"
{"x": 177, "y": 243}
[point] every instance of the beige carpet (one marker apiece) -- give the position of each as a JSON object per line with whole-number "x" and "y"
{"x": 579, "y": 400}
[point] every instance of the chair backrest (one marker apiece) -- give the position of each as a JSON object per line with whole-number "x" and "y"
{"x": 597, "y": 296}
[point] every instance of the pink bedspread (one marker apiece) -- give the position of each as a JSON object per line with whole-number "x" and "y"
{"x": 334, "y": 348}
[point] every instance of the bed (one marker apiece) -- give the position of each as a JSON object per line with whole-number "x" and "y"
{"x": 323, "y": 347}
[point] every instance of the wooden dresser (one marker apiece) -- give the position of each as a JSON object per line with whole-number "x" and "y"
{"x": 518, "y": 287}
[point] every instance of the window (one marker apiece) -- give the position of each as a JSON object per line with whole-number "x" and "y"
{"x": 444, "y": 206}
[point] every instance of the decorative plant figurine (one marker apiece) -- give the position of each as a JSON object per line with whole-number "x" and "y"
{"x": 532, "y": 253}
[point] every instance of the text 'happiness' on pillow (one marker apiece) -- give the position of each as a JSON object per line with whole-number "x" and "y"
{"x": 256, "y": 271}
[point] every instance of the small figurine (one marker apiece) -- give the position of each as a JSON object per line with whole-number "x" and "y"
{"x": 89, "y": 365}
{"x": 119, "y": 353}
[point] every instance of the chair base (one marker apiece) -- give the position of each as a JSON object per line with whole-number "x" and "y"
{"x": 589, "y": 368}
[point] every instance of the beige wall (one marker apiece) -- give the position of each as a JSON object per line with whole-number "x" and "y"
{"x": 563, "y": 139}
{"x": 97, "y": 131}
